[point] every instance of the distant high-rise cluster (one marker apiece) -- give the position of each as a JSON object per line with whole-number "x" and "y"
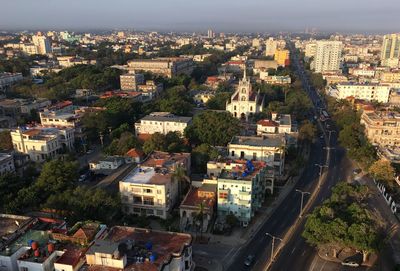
{"x": 210, "y": 34}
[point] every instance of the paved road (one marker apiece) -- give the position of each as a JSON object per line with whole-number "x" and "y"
{"x": 340, "y": 168}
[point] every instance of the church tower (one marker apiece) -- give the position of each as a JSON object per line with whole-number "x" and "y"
{"x": 244, "y": 88}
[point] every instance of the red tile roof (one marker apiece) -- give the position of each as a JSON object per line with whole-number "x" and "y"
{"x": 134, "y": 153}
{"x": 268, "y": 123}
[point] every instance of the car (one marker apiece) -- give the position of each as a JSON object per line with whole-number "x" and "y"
{"x": 249, "y": 260}
{"x": 82, "y": 178}
{"x": 350, "y": 263}
{"x": 356, "y": 171}
{"x": 89, "y": 151}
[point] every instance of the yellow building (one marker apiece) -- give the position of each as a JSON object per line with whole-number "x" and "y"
{"x": 390, "y": 77}
{"x": 282, "y": 57}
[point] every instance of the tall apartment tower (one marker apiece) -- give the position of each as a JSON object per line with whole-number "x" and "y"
{"x": 327, "y": 55}
{"x": 390, "y": 54}
{"x": 42, "y": 44}
{"x": 210, "y": 34}
{"x": 270, "y": 46}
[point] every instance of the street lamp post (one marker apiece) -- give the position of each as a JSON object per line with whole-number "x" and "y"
{"x": 302, "y": 200}
{"x": 101, "y": 139}
{"x": 329, "y": 138}
{"x": 321, "y": 167}
{"x": 273, "y": 244}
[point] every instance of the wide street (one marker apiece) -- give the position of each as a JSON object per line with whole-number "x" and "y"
{"x": 297, "y": 255}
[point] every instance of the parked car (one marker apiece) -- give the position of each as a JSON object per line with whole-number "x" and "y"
{"x": 350, "y": 263}
{"x": 356, "y": 171}
{"x": 249, "y": 260}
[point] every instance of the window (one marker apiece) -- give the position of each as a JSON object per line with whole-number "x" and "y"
{"x": 160, "y": 212}
{"x": 254, "y": 156}
{"x": 242, "y": 154}
{"x": 233, "y": 153}
{"x": 147, "y": 190}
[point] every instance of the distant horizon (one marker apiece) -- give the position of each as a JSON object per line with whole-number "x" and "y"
{"x": 252, "y": 16}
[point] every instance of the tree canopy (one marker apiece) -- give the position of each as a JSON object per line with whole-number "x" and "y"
{"x": 344, "y": 221}
{"x": 213, "y": 128}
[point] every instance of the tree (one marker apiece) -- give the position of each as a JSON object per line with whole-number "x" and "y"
{"x": 343, "y": 221}
{"x": 307, "y": 131}
{"x": 5, "y": 141}
{"x": 122, "y": 145}
{"x": 213, "y": 128}
{"x": 231, "y": 220}
{"x": 179, "y": 175}
{"x": 218, "y": 102}
{"x": 201, "y": 155}
{"x": 199, "y": 217}
{"x": 382, "y": 170}
{"x": 171, "y": 142}
{"x": 97, "y": 204}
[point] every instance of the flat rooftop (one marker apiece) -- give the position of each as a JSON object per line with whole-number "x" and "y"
{"x": 259, "y": 141}
{"x": 164, "y": 245}
{"x": 165, "y": 116}
{"x": 41, "y": 237}
{"x": 148, "y": 175}
{"x": 10, "y": 223}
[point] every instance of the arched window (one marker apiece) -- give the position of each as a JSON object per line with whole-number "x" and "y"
{"x": 243, "y": 98}
{"x": 234, "y": 108}
{"x": 243, "y": 90}
{"x": 251, "y": 108}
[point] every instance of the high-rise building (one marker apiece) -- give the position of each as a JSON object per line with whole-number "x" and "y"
{"x": 256, "y": 43}
{"x": 42, "y": 44}
{"x": 327, "y": 56}
{"x": 270, "y": 47}
{"x": 210, "y": 34}
{"x": 390, "y": 53}
{"x": 282, "y": 57}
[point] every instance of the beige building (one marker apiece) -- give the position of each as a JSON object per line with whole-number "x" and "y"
{"x": 130, "y": 81}
{"x": 245, "y": 102}
{"x": 150, "y": 189}
{"x": 163, "y": 66}
{"x": 42, "y": 143}
{"x": 382, "y": 128}
{"x": 42, "y": 44}
{"x": 270, "y": 46}
{"x": 163, "y": 123}
{"x": 267, "y": 148}
{"x": 390, "y": 77}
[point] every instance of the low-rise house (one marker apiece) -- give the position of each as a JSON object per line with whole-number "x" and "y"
{"x": 6, "y": 163}
{"x": 279, "y": 124}
{"x": 161, "y": 122}
{"x": 135, "y": 249}
{"x": 276, "y": 80}
{"x": 267, "y": 148}
{"x": 150, "y": 90}
{"x": 8, "y": 79}
{"x": 198, "y": 207}
{"x": 136, "y": 155}
{"x": 107, "y": 164}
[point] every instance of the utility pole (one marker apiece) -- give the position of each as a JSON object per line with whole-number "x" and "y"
{"x": 329, "y": 138}
{"x": 302, "y": 200}
{"x": 273, "y": 245}
{"x": 101, "y": 139}
{"x": 321, "y": 167}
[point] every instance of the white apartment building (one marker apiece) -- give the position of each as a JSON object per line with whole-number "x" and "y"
{"x": 310, "y": 49}
{"x": 368, "y": 92}
{"x": 328, "y": 55}
{"x": 267, "y": 148}
{"x": 42, "y": 143}
{"x": 278, "y": 124}
{"x": 163, "y": 123}
{"x": 150, "y": 189}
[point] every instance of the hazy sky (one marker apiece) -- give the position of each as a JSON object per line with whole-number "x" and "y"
{"x": 195, "y": 15}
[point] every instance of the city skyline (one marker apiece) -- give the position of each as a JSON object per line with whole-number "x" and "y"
{"x": 176, "y": 15}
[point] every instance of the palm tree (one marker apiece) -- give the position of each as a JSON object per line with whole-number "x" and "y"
{"x": 200, "y": 217}
{"x": 180, "y": 176}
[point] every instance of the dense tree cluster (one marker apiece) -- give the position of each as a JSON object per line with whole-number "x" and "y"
{"x": 344, "y": 221}
{"x": 61, "y": 85}
{"x": 213, "y": 128}
{"x": 171, "y": 142}
{"x": 351, "y": 132}
{"x": 56, "y": 188}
